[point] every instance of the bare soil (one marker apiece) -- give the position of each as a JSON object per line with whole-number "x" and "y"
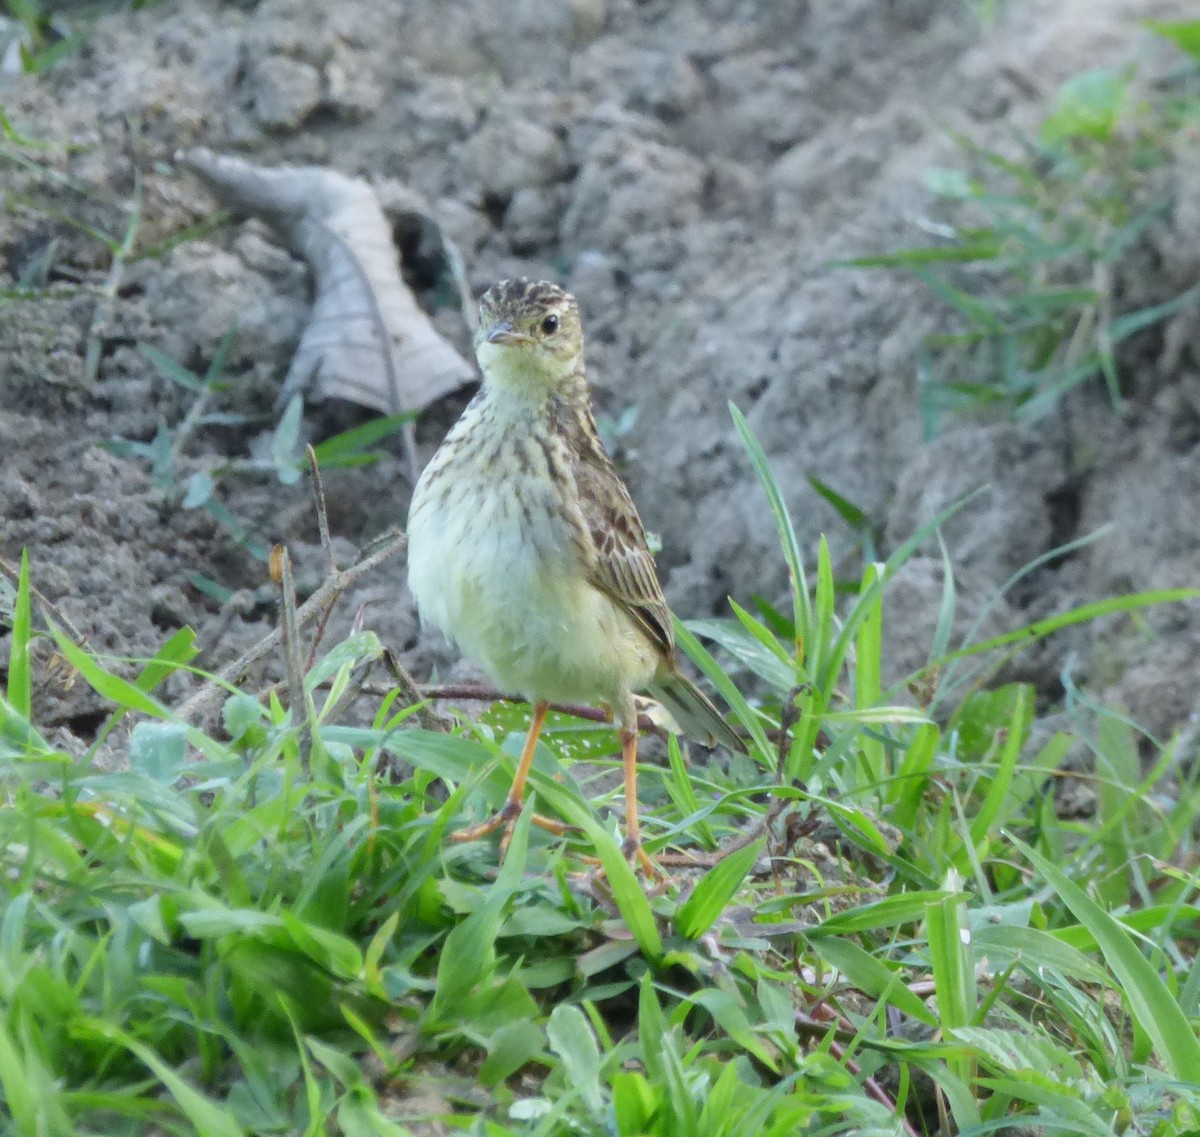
{"x": 690, "y": 169}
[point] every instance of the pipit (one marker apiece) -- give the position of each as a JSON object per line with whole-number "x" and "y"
{"x": 525, "y": 548}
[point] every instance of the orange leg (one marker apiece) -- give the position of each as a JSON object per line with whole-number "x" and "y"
{"x": 632, "y": 848}
{"x": 507, "y": 815}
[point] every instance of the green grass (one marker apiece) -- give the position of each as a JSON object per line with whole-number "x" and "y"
{"x": 1038, "y": 240}
{"x": 223, "y": 937}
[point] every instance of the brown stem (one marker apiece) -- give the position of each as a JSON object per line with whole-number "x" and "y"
{"x": 203, "y": 700}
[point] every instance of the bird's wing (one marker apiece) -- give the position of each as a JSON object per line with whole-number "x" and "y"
{"x": 621, "y": 564}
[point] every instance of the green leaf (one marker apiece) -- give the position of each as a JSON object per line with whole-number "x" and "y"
{"x": 358, "y": 648}
{"x": 20, "y": 686}
{"x": 979, "y": 251}
{"x": 285, "y": 445}
{"x": 158, "y": 750}
{"x": 169, "y": 369}
{"x": 714, "y": 890}
{"x": 1039, "y": 629}
{"x": 1186, "y": 33}
{"x": 511, "y": 1047}
{"x": 180, "y": 649}
{"x": 997, "y": 794}
{"x": 1150, "y": 1002}
{"x": 468, "y": 957}
{"x": 1088, "y": 106}
{"x": 802, "y": 612}
{"x": 951, "y": 957}
{"x": 627, "y": 891}
{"x": 850, "y": 513}
{"x": 651, "y": 1029}
{"x": 199, "y": 491}
{"x": 208, "y": 1118}
{"x": 871, "y": 976}
{"x": 104, "y": 683}
{"x": 570, "y": 1037}
{"x": 347, "y": 448}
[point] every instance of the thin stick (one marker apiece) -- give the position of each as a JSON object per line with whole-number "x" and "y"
{"x": 281, "y": 574}
{"x": 94, "y": 350}
{"x": 412, "y": 693}
{"x": 204, "y": 699}
{"x": 477, "y": 693}
{"x": 322, "y": 513}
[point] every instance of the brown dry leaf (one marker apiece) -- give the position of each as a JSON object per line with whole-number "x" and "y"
{"x": 367, "y": 340}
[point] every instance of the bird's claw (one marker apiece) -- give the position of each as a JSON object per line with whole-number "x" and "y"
{"x": 507, "y": 817}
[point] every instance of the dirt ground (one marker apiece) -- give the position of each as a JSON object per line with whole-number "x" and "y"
{"x": 689, "y": 168}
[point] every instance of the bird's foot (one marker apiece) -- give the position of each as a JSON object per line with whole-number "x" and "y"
{"x": 506, "y": 817}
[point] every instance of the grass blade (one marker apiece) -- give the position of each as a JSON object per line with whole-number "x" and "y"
{"x": 1152, "y": 1005}
{"x": 713, "y": 892}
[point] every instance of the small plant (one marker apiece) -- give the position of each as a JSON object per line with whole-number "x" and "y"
{"x": 1046, "y": 232}
{"x": 50, "y": 31}
{"x": 284, "y": 458}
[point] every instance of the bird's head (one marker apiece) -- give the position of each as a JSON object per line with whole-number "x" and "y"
{"x": 529, "y": 336}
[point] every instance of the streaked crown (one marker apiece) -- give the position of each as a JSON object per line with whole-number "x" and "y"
{"x": 533, "y": 318}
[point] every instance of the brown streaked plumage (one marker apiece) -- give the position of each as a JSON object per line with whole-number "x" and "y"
{"x": 525, "y": 547}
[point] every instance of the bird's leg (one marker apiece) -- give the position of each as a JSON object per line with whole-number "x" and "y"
{"x": 508, "y": 813}
{"x": 632, "y": 847}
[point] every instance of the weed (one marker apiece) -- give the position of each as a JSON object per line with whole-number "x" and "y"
{"x": 284, "y": 458}
{"x": 1046, "y": 233}
{"x": 223, "y": 939}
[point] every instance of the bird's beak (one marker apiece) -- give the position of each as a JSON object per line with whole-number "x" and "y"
{"x": 504, "y": 333}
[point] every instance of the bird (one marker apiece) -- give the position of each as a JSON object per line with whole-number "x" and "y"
{"x": 526, "y": 551}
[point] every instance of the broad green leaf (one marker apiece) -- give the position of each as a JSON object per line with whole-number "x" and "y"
{"x": 350, "y": 444}
{"x": 891, "y": 912}
{"x": 570, "y": 1037}
{"x": 628, "y": 893}
{"x": 285, "y": 444}
{"x": 199, "y": 491}
{"x": 511, "y": 1047}
{"x": 1088, "y": 106}
{"x": 951, "y": 956}
{"x": 158, "y": 750}
{"x": 1186, "y": 33}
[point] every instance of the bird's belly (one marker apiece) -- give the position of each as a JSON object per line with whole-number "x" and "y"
{"x": 503, "y": 580}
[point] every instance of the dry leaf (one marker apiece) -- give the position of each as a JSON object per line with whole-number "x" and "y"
{"x": 367, "y": 340}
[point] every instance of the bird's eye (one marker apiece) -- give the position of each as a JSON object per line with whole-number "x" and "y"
{"x": 550, "y": 325}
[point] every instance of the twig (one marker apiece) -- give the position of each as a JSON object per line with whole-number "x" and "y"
{"x": 322, "y": 514}
{"x": 410, "y": 690}
{"x": 326, "y": 544}
{"x": 408, "y": 439}
{"x": 462, "y": 282}
{"x": 473, "y": 692}
{"x": 333, "y": 587}
{"x": 94, "y": 351}
{"x": 749, "y": 836}
{"x": 819, "y": 1026}
{"x": 281, "y": 574}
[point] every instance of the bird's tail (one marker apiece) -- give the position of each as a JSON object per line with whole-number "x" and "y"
{"x": 695, "y": 713}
